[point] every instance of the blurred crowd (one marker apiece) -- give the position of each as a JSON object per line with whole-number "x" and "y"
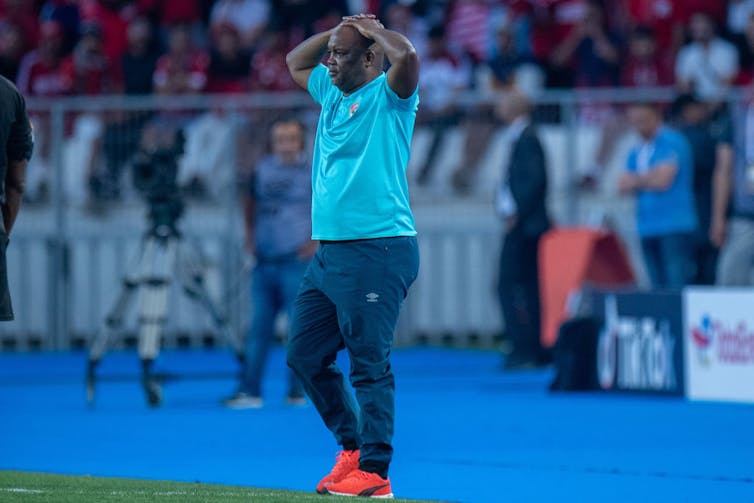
{"x": 59, "y": 48}
{"x": 63, "y": 47}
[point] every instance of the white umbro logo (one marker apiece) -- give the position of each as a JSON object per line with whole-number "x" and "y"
{"x": 372, "y": 297}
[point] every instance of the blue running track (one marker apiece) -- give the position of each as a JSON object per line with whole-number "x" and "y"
{"x": 465, "y": 431}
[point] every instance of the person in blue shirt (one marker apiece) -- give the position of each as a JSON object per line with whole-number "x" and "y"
{"x": 277, "y": 213}
{"x": 660, "y": 173}
{"x": 368, "y": 255}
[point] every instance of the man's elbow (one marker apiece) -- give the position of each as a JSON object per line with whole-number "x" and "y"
{"x": 290, "y": 60}
{"x": 408, "y": 57}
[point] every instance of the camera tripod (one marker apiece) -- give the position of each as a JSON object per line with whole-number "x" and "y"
{"x": 163, "y": 258}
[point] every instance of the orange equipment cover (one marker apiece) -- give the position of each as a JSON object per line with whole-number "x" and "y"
{"x": 569, "y": 258}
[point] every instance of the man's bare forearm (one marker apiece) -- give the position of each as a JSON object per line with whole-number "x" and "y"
{"x": 308, "y": 53}
{"x": 397, "y": 48}
{"x": 14, "y": 190}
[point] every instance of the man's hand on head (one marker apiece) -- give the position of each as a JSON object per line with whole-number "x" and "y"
{"x": 366, "y": 24}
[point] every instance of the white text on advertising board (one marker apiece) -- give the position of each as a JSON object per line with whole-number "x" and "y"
{"x": 635, "y": 353}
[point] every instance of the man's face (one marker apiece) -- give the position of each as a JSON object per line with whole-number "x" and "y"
{"x": 645, "y": 120}
{"x": 287, "y": 141}
{"x": 345, "y": 59}
{"x": 701, "y": 28}
{"x": 643, "y": 48}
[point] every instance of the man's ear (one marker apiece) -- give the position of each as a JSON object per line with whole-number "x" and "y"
{"x": 369, "y": 57}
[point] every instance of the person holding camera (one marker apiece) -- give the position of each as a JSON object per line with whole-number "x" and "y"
{"x": 368, "y": 255}
{"x": 17, "y": 142}
{"x": 277, "y": 210}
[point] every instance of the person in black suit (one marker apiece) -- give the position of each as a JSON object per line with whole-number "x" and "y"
{"x": 16, "y": 143}
{"x": 521, "y": 205}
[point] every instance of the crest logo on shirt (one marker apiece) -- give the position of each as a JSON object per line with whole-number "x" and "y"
{"x": 353, "y": 109}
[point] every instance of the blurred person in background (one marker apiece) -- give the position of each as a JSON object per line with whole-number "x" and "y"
{"x": 87, "y": 71}
{"x": 67, "y": 15}
{"x": 440, "y": 82}
{"x": 17, "y": 143}
{"x": 277, "y": 217}
{"x": 136, "y": 68}
{"x": 229, "y": 62}
{"x": 210, "y": 139}
{"x": 733, "y": 204}
{"x": 181, "y": 70}
{"x": 249, "y": 17}
{"x": 744, "y": 42}
{"x": 22, "y": 14}
{"x": 300, "y": 17}
{"x": 509, "y": 67}
{"x": 644, "y": 66}
{"x": 708, "y": 65}
{"x": 521, "y": 205}
{"x": 711, "y": 143}
{"x": 40, "y": 76}
{"x": 659, "y": 172}
{"x": 113, "y": 16}
{"x": 591, "y": 52}
{"x": 269, "y": 72}
{"x": 739, "y": 14}
{"x": 368, "y": 257}
{"x": 166, "y": 14}
{"x": 399, "y": 17}
{"x": 12, "y": 49}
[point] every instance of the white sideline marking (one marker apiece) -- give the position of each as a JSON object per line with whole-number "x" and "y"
{"x": 20, "y": 490}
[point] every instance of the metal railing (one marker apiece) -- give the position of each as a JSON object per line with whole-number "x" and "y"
{"x": 67, "y": 256}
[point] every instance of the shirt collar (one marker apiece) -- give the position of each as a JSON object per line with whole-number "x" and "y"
{"x": 517, "y": 127}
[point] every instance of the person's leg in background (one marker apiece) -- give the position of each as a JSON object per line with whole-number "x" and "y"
{"x": 676, "y": 259}
{"x": 650, "y": 250}
{"x": 736, "y": 261}
{"x": 291, "y": 274}
{"x": 518, "y": 292}
{"x": 265, "y": 303}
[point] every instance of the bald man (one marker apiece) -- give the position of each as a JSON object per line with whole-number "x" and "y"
{"x": 521, "y": 206}
{"x": 368, "y": 256}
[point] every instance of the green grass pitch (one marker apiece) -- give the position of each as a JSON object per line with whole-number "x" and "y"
{"x": 44, "y": 488}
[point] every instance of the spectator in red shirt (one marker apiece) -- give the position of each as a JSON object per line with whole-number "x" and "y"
{"x": 11, "y": 49}
{"x": 269, "y": 71}
{"x": 644, "y": 67}
{"x": 590, "y": 51}
{"x": 170, "y": 12}
{"x": 40, "y": 74}
{"x": 113, "y": 17}
{"x": 183, "y": 69}
{"x": 20, "y": 13}
{"x": 88, "y": 70}
{"x": 66, "y": 13}
{"x": 229, "y": 61}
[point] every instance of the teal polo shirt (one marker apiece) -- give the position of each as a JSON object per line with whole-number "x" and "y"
{"x": 362, "y": 147}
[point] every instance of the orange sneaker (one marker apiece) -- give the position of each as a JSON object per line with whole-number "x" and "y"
{"x": 345, "y": 463}
{"x": 361, "y": 483}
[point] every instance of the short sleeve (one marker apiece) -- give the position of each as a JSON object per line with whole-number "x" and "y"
{"x": 20, "y": 140}
{"x": 405, "y": 104}
{"x": 319, "y": 83}
{"x": 666, "y": 154}
{"x": 631, "y": 161}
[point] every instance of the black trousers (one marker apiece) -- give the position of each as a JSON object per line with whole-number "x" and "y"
{"x": 6, "y": 309}
{"x": 518, "y": 290}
